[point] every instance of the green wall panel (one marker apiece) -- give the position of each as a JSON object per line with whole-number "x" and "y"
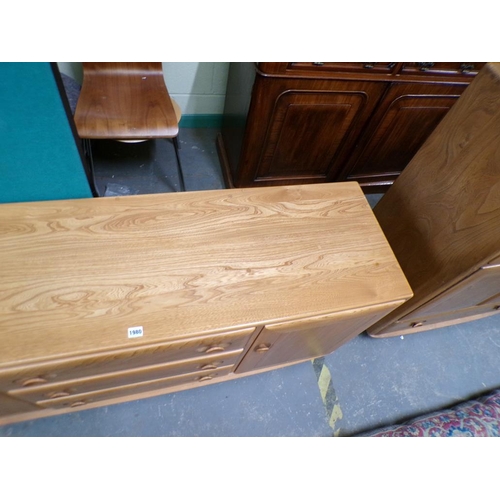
{"x": 39, "y": 158}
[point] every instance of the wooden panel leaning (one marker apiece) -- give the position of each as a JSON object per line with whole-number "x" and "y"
{"x": 442, "y": 216}
{"x": 111, "y": 299}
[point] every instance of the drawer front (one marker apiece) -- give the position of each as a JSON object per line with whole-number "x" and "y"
{"x": 123, "y": 359}
{"x": 495, "y": 261}
{"x": 121, "y": 378}
{"x": 442, "y": 68}
{"x": 80, "y": 400}
{"x": 342, "y": 67}
{"x": 408, "y": 326}
{"x": 480, "y": 288}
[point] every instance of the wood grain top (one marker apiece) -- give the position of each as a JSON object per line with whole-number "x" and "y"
{"x": 76, "y": 274}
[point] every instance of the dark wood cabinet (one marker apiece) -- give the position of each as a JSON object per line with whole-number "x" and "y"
{"x": 294, "y": 123}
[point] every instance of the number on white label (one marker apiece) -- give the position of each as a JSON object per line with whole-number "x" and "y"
{"x": 135, "y": 331}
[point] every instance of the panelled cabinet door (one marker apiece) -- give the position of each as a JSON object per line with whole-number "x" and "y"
{"x": 404, "y": 120}
{"x": 311, "y": 132}
{"x": 294, "y": 341}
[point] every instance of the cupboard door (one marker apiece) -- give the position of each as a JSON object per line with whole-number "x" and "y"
{"x": 294, "y": 341}
{"x": 407, "y": 116}
{"x": 302, "y": 130}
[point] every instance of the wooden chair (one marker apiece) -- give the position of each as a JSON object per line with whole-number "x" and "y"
{"x": 127, "y": 102}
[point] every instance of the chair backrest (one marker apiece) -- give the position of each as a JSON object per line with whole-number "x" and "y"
{"x": 125, "y": 101}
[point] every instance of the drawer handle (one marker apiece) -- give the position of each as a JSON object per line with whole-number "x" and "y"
{"x": 60, "y": 394}
{"x": 205, "y": 378}
{"x": 33, "y": 381}
{"x": 370, "y": 65}
{"x": 424, "y": 66}
{"x": 318, "y": 63}
{"x": 263, "y": 348}
{"x": 496, "y": 308}
{"x": 466, "y": 68}
{"x": 77, "y": 403}
{"x": 209, "y": 367}
{"x": 215, "y": 348}
{"x": 417, "y": 324}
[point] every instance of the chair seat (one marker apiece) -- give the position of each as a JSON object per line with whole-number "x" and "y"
{"x": 125, "y": 101}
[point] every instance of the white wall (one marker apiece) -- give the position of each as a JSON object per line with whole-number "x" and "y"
{"x": 198, "y": 87}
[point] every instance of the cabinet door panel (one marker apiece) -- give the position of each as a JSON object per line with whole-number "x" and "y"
{"x": 311, "y": 132}
{"x": 403, "y": 122}
{"x": 295, "y": 341}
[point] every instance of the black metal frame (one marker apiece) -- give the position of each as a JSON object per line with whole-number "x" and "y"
{"x": 88, "y": 168}
{"x": 87, "y": 151}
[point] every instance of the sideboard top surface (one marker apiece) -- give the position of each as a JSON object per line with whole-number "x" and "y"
{"x": 75, "y": 275}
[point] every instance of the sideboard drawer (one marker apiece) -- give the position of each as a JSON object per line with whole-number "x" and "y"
{"x": 347, "y": 67}
{"x": 442, "y": 68}
{"x": 78, "y": 400}
{"x": 126, "y": 377}
{"x": 481, "y": 288}
{"x": 124, "y": 359}
{"x": 407, "y": 326}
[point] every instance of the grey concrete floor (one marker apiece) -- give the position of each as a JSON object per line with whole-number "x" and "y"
{"x": 365, "y": 384}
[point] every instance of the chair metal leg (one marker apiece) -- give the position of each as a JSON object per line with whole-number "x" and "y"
{"x": 179, "y": 167}
{"x": 87, "y": 150}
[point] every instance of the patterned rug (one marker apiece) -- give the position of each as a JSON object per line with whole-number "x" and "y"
{"x": 479, "y": 417}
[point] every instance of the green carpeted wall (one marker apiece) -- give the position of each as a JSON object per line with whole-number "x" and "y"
{"x": 39, "y": 157}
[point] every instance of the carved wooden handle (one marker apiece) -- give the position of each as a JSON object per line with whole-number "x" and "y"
{"x": 33, "y": 381}
{"x": 466, "y": 68}
{"x": 77, "y": 403}
{"x": 417, "y": 324}
{"x": 215, "y": 348}
{"x": 205, "y": 378}
{"x": 60, "y": 394}
{"x": 262, "y": 348}
{"x": 208, "y": 367}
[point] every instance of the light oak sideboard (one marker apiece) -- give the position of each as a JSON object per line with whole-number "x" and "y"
{"x": 110, "y": 299}
{"x": 442, "y": 217}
